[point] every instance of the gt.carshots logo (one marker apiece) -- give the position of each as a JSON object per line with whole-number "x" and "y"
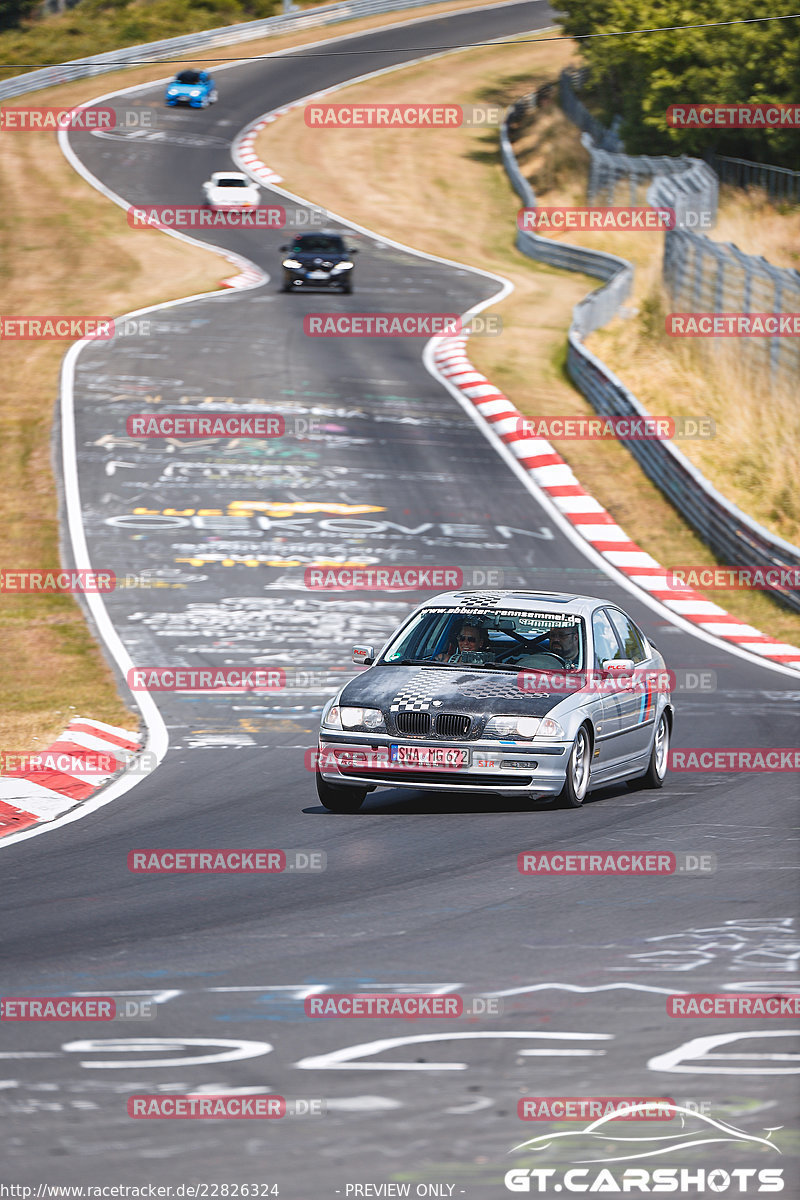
{"x": 600, "y": 1145}
{"x": 682, "y": 1181}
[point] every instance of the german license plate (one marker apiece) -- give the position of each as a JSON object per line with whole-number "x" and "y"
{"x": 430, "y": 756}
{"x": 318, "y": 274}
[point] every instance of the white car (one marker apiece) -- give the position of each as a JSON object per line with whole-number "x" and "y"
{"x": 229, "y": 189}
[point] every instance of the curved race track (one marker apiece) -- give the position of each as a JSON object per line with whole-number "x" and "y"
{"x": 420, "y": 892}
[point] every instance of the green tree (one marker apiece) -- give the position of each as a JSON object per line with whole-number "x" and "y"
{"x": 639, "y": 76}
{"x": 12, "y": 12}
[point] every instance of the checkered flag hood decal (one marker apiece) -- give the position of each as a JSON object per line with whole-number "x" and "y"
{"x": 416, "y": 695}
{"x": 479, "y": 600}
{"x": 489, "y": 687}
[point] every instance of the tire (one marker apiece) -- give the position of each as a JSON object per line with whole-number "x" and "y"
{"x": 340, "y": 799}
{"x": 213, "y": 97}
{"x": 579, "y": 768}
{"x": 347, "y": 289}
{"x": 285, "y": 287}
{"x": 656, "y": 771}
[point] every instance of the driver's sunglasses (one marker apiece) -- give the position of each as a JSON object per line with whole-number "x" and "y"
{"x": 462, "y": 638}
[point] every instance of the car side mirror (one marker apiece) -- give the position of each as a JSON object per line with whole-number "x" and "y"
{"x": 353, "y": 251}
{"x": 618, "y": 666}
{"x": 363, "y": 656}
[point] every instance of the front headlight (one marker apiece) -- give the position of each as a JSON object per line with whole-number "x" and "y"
{"x": 195, "y": 92}
{"x": 331, "y": 718}
{"x": 342, "y": 266}
{"x": 511, "y": 727}
{"x": 370, "y": 719}
{"x": 524, "y": 728}
{"x": 548, "y": 728}
{"x": 293, "y": 264}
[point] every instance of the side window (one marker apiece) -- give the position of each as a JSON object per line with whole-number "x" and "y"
{"x": 633, "y": 645}
{"x": 605, "y": 641}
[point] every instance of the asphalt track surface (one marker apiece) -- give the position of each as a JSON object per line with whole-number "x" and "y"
{"x": 420, "y": 892}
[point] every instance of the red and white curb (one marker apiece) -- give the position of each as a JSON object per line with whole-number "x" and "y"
{"x": 555, "y": 477}
{"x": 58, "y": 783}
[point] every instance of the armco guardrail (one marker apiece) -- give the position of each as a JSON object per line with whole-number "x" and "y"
{"x": 113, "y": 60}
{"x": 734, "y": 537}
{"x": 780, "y": 183}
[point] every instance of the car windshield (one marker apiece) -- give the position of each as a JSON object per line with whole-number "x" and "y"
{"x": 505, "y": 638}
{"x": 228, "y": 181}
{"x": 187, "y": 77}
{"x": 318, "y": 243}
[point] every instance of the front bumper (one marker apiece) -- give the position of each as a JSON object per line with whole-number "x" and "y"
{"x": 300, "y": 279}
{"x": 363, "y": 759}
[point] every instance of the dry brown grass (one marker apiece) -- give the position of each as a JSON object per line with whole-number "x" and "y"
{"x": 445, "y": 192}
{"x": 64, "y": 249}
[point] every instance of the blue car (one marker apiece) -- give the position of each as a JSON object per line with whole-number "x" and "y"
{"x": 195, "y": 88}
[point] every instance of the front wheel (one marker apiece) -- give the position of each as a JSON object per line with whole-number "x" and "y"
{"x": 576, "y": 784}
{"x": 340, "y": 799}
{"x": 656, "y": 771}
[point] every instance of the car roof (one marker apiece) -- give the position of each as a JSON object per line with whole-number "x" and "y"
{"x": 499, "y": 598}
{"x": 229, "y": 175}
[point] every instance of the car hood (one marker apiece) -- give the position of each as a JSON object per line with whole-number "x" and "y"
{"x": 472, "y": 691}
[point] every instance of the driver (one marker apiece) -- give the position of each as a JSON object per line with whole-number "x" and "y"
{"x": 564, "y": 642}
{"x": 469, "y": 638}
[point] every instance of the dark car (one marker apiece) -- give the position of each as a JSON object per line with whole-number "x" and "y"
{"x": 533, "y": 694}
{"x": 195, "y": 88}
{"x": 319, "y": 260}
